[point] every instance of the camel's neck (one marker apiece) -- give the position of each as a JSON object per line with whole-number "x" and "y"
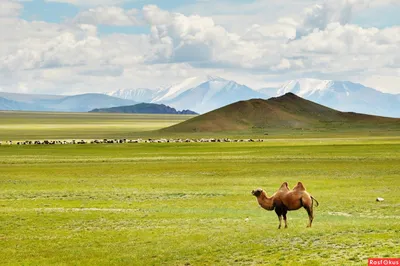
{"x": 265, "y": 202}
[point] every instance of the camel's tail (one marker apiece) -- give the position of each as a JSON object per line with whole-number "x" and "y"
{"x": 312, "y": 198}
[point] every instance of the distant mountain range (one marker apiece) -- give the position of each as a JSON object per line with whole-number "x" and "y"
{"x": 200, "y": 94}
{"x": 208, "y": 93}
{"x": 281, "y": 113}
{"x": 7, "y": 104}
{"x": 344, "y": 96}
{"x": 144, "y": 108}
{"x": 76, "y": 103}
{"x": 204, "y": 94}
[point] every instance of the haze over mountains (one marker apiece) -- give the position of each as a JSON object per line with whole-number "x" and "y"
{"x": 204, "y": 94}
{"x": 75, "y": 103}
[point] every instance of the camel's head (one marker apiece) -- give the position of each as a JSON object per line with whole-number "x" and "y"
{"x": 257, "y": 192}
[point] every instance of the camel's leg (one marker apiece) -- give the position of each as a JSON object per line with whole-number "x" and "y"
{"x": 310, "y": 215}
{"x": 284, "y": 217}
{"x": 280, "y": 221}
{"x": 279, "y": 213}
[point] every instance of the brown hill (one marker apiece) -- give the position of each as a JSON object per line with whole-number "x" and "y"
{"x": 287, "y": 111}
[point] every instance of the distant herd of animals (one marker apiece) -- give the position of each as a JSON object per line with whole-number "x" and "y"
{"x": 117, "y": 141}
{"x": 285, "y": 200}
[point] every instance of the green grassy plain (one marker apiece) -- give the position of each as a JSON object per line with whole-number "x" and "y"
{"x": 190, "y": 203}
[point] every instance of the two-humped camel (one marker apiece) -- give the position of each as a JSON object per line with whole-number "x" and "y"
{"x": 285, "y": 200}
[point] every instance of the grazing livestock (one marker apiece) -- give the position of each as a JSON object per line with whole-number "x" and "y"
{"x": 121, "y": 141}
{"x": 285, "y": 200}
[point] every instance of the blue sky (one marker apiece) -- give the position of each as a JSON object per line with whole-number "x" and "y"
{"x": 149, "y": 43}
{"x": 380, "y": 17}
{"x": 48, "y": 11}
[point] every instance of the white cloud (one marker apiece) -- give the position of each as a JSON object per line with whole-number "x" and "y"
{"x": 284, "y": 29}
{"x": 156, "y": 16}
{"x": 73, "y": 58}
{"x": 341, "y": 48}
{"x": 80, "y": 79}
{"x": 9, "y": 8}
{"x": 237, "y": 16}
{"x": 56, "y": 46}
{"x": 350, "y": 39}
{"x": 199, "y": 41}
{"x": 108, "y": 15}
{"x": 319, "y": 16}
{"x": 386, "y": 80}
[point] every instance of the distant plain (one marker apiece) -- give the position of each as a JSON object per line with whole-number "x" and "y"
{"x": 190, "y": 203}
{"x": 48, "y": 125}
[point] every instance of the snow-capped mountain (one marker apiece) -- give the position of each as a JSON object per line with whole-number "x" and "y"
{"x": 138, "y": 95}
{"x": 200, "y": 94}
{"x": 211, "y": 94}
{"x": 206, "y": 93}
{"x": 344, "y": 96}
{"x": 305, "y": 87}
{"x": 169, "y": 93}
{"x": 158, "y": 95}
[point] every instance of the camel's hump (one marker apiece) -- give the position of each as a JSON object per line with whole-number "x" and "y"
{"x": 299, "y": 187}
{"x": 284, "y": 186}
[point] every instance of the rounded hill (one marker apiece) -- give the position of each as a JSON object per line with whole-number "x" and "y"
{"x": 287, "y": 111}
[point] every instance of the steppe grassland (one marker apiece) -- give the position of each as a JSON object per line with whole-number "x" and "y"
{"x": 21, "y": 126}
{"x": 190, "y": 203}
{"x": 43, "y": 125}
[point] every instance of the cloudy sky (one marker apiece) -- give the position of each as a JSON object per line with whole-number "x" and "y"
{"x": 78, "y": 46}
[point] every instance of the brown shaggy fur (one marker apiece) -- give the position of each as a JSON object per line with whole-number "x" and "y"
{"x": 285, "y": 200}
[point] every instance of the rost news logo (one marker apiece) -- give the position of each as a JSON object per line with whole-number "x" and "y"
{"x": 383, "y": 261}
